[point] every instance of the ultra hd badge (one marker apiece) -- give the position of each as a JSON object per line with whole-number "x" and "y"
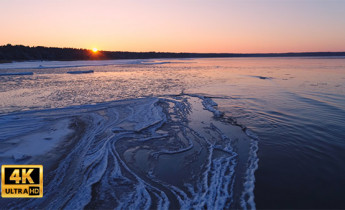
{"x": 22, "y": 181}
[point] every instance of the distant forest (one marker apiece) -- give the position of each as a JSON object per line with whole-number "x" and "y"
{"x": 9, "y": 53}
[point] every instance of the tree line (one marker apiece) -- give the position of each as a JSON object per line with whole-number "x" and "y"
{"x": 10, "y": 53}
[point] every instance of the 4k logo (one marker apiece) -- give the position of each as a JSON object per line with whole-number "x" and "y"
{"x": 22, "y": 181}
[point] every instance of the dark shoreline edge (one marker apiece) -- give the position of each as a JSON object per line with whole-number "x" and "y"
{"x": 10, "y": 53}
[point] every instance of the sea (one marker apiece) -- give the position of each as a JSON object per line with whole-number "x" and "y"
{"x": 214, "y": 133}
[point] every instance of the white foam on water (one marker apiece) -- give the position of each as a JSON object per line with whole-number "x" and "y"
{"x": 247, "y": 197}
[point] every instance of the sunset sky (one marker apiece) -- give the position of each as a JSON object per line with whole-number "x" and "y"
{"x": 241, "y": 26}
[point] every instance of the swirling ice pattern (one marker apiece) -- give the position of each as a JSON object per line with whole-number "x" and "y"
{"x": 168, "y": 152}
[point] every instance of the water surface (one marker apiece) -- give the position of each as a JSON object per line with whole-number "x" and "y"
{"x": 296, "y": 106}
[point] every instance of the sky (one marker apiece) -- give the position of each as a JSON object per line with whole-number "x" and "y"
{"x": 214, "y": 26}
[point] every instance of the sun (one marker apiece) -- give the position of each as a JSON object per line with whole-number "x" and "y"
{"x": 94, "y": 50}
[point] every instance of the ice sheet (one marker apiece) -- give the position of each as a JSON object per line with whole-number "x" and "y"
{"x": 166, "y": 152}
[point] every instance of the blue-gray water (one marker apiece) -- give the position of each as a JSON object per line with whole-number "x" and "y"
{"x": 296, "y": 106}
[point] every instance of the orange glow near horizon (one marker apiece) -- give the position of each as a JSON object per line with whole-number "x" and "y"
{"x": 94, "y": 50}
{"x": 223, "y": 26}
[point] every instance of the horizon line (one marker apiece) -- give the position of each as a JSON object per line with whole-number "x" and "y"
{"x": 152, "y": 51}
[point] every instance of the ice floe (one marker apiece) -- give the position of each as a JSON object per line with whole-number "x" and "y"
{"x": 154, "y": 152}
